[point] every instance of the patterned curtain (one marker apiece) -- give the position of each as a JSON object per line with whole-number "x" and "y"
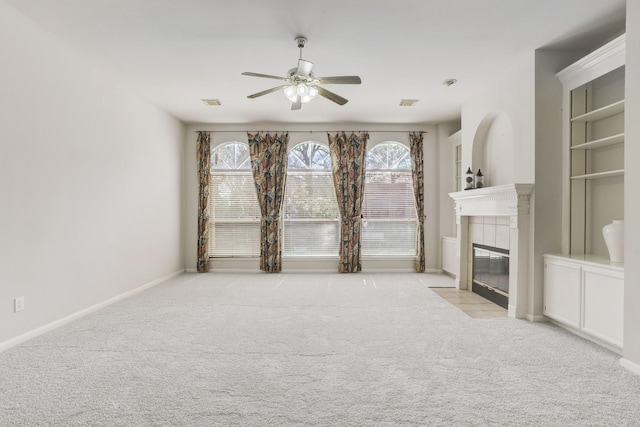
{"x": 348, "y": 162}
{"x": 417, "y": 172}
{"x": 203, "y": 156}
{"x": 269, "y": 167}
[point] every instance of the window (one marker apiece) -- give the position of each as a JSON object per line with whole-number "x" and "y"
{"x": 458, "y": 167}
{"x": 389, "y": 211}
{"x": 311, "y": 218}
{"x": 234, "y": 213}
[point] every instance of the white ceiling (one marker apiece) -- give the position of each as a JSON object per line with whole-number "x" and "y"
{"x": 178, "y": 52}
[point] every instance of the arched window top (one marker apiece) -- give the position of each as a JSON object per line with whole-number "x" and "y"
{"x": 231, "y": 156}
{"x": 309, "y": 155}
{"x": 389, "y": 155}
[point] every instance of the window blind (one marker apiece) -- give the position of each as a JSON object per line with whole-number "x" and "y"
{"x": 234, "y": 215}
{"x": 311, "y": 219}
{"x": 389, "y": 214}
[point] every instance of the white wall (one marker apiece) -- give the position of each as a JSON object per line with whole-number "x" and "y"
{"x": 510, "y": 96}
{"x": 90, "y": 182}
{"x": 222, "y": 133}
{"x": 447, "y": 183}
{"x": 547, "y": 209}
{"x": 498, "y": 152}
{"x": 632, "y": 195}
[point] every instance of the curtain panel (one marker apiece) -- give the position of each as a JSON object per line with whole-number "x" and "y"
{"x": 269, "y": 167}
{"x": 417, "y": 172}
{"x": 348, "y": 162}
{"x": 203, "y": 158}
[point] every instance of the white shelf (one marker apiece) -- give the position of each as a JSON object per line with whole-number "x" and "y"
{"x": 600, "y": 113}
{"x": 598, "y": 143}
{"x": 599, "y": 175}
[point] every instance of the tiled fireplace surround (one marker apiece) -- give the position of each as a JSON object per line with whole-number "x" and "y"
{"x": 496, "y": 216}
{"x": 492, "y": 231}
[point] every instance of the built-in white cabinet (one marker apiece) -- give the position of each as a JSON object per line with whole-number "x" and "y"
{"x": 583, "y": 290}
{"x": 586, "y": 294}
{"x": 450, "y": 255}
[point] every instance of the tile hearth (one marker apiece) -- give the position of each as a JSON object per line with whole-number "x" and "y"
{"x": 471, "y": 304}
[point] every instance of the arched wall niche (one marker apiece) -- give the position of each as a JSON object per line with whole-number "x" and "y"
{"x": 492, "y": 149}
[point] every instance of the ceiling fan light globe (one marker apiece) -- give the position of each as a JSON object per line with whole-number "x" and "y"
{"x": 291, "y": 93}
{"x": 302, "y": 89}
{"x": 309, "y": 94}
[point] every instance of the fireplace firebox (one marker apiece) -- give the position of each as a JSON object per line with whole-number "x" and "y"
{"x": 490, "y": 278}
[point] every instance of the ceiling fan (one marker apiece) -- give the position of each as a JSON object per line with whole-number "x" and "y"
{"x": 302, "y": 86}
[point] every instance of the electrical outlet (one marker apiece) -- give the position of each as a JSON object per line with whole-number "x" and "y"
{"x": 18, "y": 304}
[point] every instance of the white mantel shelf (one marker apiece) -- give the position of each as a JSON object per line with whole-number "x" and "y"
{"x": 499, "y": 200}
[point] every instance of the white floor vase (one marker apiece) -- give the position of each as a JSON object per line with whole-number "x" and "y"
{"x": 614, "y": 238}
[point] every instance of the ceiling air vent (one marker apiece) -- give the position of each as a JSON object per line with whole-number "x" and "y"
{"x": 212, "y": 101}
{"x": 408, "y": 102}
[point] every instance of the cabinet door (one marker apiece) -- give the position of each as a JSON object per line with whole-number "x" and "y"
{"x": 603, "y": 304}
{"x": 562, "y": 292}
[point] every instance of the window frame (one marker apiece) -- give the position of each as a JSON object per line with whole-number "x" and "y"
{"x": 406, "y": 173}
{"x": 311, "y": 170}
{"x": 251, "y": 222}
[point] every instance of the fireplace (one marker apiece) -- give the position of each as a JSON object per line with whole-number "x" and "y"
{"x": 510, "y": 205}
{"x": 490, "y": 276}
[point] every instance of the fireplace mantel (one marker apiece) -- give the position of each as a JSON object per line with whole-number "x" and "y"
{"x": 510, "y": 200}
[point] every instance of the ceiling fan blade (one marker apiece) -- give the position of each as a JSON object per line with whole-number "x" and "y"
{"x": 297, "y": 104}
{"x": 266, "y": 76}
{"x": 265, "y": 92}
{"x": 304, "y": 67}
{"x": 331, "y": 96}
{"x": 340, "y": 80}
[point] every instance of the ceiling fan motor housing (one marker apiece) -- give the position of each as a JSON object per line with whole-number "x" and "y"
{"x": 300, "y": 41}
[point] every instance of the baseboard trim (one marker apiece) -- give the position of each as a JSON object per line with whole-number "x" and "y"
{"x": 631, "y": 366}
{"x": 537, "y": 318}
{"x": 77, "y": 315}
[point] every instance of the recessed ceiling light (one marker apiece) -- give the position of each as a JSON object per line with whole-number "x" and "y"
{"x": 213, "y": 102}
{"x": 449, "y": 82}
{"x": 408, "y": 102}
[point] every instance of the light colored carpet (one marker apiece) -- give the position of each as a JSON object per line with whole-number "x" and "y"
{"x": 309, "y": 350}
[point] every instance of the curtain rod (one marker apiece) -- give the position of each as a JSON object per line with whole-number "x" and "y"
{"x": 310, "y": 131}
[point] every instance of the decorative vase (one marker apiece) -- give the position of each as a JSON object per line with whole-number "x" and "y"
{"x": 614, "y": 238}
{"x": 469, "y": 179}
{"x": 479, "y": 179}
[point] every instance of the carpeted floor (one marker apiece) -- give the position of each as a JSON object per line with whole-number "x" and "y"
{"x": 309, "y": 350}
